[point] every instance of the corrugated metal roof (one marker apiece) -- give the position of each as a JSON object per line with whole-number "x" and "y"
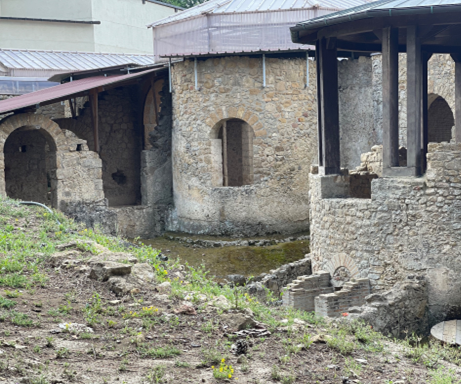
{"x": 379, "y": 8}
{"x": 15, "y": 59}
{"x": 248, "y": 6}
{"x": 65, "y": 90}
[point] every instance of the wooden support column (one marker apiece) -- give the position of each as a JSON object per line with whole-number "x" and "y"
{"x": 95, "y": 118}
{"x": 329, "y": 106}
{"x": 457, "y": 59}
{"x": 72, "y": 108}
{"x": 154, "y": 97}
{"x": 224, "y": 154}
{"x": 425, "y": 129}
{"x": 390, "y": 52}
{"x": 414, "y": 101}
{"x": 319, "y": 105}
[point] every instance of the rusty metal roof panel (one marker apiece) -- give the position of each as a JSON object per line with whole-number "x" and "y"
{"x": 67, "y": 61}
{"x": 62, "y": 91}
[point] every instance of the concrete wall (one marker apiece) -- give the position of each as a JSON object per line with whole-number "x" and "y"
{"x": 409, "y": 227}
{"x": 122, "y": 29}
{"x": 124, "y": 23}
{"x": 284, "y": 121}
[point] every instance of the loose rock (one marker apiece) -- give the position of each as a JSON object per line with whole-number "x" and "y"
{"x": 103, "y": 270}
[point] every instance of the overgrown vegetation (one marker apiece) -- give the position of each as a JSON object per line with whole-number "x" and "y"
{"x": 140, "y": 333}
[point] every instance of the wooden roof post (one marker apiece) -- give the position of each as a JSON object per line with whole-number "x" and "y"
{"x": 414, "y": 100}
{"x": 329, "y": 106}
{"x": 425, "y": 113}
{"x": 95, "y": 118}
{"x": 224, "y": 154}
{"x": 319, "y": 104}
{"x": 457, "y": 58}
{"x": 390, "y": 52}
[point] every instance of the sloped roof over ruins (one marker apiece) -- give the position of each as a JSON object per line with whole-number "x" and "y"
{"x": 234, "y": 26}
{"x": 17, "y": 62}
{"x": 379, "y": 8}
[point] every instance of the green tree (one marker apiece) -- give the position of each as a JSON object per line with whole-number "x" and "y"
{"x": 184, "y": 3}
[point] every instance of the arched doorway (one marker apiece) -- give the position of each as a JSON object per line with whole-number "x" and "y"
{"x": 30, "y": 166}
{"x": 29, "y": 145}
{"x": 232, "y": 152}
{"x": 440, "y": 119}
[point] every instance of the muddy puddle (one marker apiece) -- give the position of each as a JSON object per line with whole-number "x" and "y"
{"x": 225, "y": 260}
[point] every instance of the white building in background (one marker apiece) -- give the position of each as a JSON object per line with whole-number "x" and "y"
{"x": 116, "y": 26}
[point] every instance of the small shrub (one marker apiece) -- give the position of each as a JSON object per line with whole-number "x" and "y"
{"x": 341, "y": 344}
{"x": 6, "y": 303}
{"x": 443, "y": 376}
{"x": 21, "y": 319}
{"x": 156, "y": 375}
{"x": 223, "y": 372}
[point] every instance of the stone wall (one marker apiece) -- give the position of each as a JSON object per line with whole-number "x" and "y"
{"x": 43, "y": 163}
{"x": 360, "y": 102}
{"x": 358, "y": 131}
{"x": 397, "y": 312}
{"x": 120, "y": 139}
{"x": 410, "y": 226}
{"x": 79, "y": 172}
{"x": 284, "y": 121}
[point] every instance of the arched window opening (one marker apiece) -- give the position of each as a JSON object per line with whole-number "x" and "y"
{"x": 440, "y": 120}
{"x": 30, "y": 166}
{"x": 232, "y": 152}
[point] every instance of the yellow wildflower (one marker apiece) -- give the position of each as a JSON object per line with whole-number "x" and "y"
{"x": 230, "y": 376}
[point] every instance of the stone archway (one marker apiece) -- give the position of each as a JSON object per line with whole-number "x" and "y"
{"x": 50, "y": 135}
{"x": 232, "y": 156}
{"x": 440, "y": 119}
{"x": 342, "y": 268}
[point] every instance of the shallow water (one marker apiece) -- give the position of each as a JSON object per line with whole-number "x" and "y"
{"x": 223, "y": 261}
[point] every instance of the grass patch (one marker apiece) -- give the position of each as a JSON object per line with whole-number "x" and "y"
{"x": 160, "y": 352}
{"x": 6, "y": 303}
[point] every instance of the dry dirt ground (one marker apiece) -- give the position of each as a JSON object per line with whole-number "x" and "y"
{"x": 59, "y": 325}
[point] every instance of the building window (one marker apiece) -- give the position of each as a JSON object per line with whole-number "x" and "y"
{"x": 232, "y": 152}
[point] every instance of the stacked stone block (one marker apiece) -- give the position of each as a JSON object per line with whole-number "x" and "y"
{"x": 352, "y": 295}
{"x": 301, "y": 293}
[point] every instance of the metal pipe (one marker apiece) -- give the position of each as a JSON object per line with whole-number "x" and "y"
{"x": 40, "y": 205}
{"x": 169, "y": 72}
{"x": 195, "y": 72}
{"x": 264, "y": 70}
{"x": 307, "y": 70}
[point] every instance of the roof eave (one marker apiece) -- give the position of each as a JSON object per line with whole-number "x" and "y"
{"x": 371, "y": 13}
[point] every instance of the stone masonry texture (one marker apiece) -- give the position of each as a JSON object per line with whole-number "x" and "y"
{"x": 409, "y": 227}
{"x": 284, "y": 122}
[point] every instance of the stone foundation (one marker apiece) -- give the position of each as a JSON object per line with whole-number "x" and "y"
{"x": 409, "y": 227}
